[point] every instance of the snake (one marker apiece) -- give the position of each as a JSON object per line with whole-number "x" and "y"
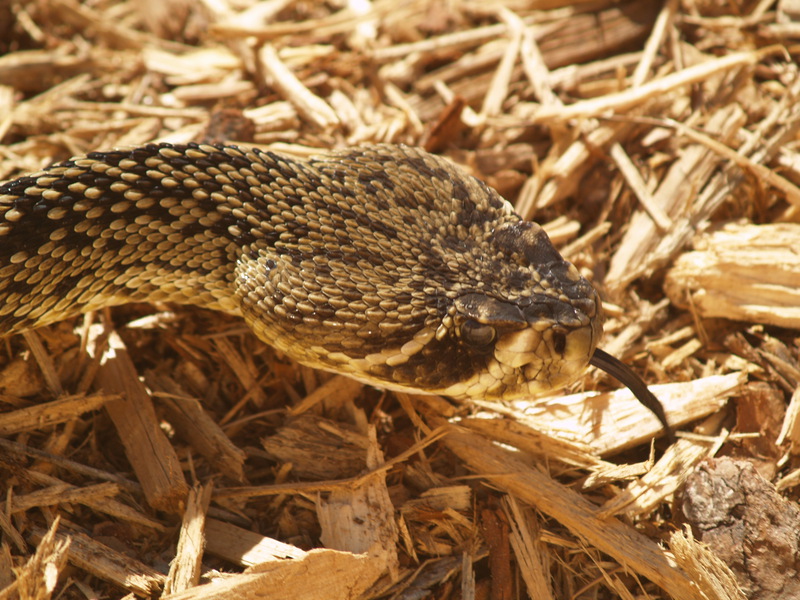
{"x": 381, "y": 262}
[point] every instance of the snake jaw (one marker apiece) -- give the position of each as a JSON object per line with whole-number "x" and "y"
{"x": 549, "y": 359}
{"x": 519, "y": 348}
{"x": 542, "y": 343}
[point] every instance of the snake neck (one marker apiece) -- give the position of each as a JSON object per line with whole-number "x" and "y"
{"x": 153, "y": 224}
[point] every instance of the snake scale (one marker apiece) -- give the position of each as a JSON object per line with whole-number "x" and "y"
{"x": 382, "y": 262}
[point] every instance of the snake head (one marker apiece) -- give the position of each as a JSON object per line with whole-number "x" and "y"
{"x": 396, "y": 267}
{"x": 535, "y": 332}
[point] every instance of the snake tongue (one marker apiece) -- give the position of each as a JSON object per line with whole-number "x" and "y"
{"x": 625, "y": 375}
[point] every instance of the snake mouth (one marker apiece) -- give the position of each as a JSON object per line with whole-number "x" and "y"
{"x": 529, "y": 346}
{"x": 547, "y": 359}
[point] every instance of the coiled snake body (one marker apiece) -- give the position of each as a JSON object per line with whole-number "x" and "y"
{"x": 382, "y": 262}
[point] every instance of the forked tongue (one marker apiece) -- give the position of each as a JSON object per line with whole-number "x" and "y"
{"x": 625, "y": 375}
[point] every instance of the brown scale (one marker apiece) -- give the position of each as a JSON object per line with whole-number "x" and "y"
{"x": 382, "y": 262}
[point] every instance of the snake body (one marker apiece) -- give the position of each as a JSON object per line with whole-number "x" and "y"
{"x": 382, "y": 262}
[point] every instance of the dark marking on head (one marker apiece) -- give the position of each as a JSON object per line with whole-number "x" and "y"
{"x": 485, "y": 309}
{"x": 460, "y": 191}
{"x": 529, "y": 242}
{"x": 422, "y": 167}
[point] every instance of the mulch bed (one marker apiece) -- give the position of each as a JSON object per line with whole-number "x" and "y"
{"x": 154, "y": 451}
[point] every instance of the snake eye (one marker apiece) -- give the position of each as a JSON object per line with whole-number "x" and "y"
{"x": 477, "y": 334}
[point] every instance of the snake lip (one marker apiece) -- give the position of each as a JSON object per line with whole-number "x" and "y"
{"x": 519, "y": 348}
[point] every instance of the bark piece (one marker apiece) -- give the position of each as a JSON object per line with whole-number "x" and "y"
{"x": 748, "y": 525}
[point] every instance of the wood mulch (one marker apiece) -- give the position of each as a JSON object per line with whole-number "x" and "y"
{"x": 154, "y": 451}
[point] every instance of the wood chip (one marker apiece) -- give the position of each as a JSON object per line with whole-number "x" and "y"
{"x": 184, "y": 572}
{"x": 107, "y": 564}
{"x": 243, "y": 547}
{"x": 155, "y": 462}
{"x": 743, "y": 272}
{"x": 58, "y": 411}
{"x": 309, "y": 105}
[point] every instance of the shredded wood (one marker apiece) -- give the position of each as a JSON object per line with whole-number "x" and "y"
{"x": 161, "y": 451}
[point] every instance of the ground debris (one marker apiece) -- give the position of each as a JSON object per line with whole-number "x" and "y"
{"x": 657, "y": 143}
